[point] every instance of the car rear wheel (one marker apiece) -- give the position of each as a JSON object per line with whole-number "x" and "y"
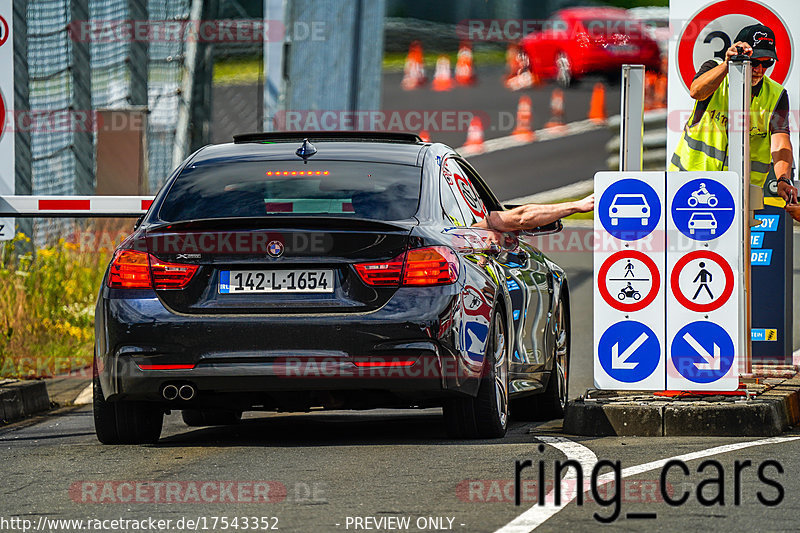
{"x": 551, "y": 403}
{"x": 486, "y": 415}
{"x": 563, "y": 70}
{"x": 210, "y": 417}
{"x": 125, "y": 422}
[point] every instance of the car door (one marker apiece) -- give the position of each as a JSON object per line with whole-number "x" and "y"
{"x": 526, "y": 279}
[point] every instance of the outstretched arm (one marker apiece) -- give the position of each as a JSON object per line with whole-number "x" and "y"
{"x": 531, "y": 216}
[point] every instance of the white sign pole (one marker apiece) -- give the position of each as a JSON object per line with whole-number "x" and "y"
{"x": 7, "y": 156}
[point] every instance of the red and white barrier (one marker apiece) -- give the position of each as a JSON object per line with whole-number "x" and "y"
{"x": 74, "y": 206}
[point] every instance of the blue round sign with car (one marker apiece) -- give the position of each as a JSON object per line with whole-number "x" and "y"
{"x": 703, "y": 209}
{"x": 629, "y": 209}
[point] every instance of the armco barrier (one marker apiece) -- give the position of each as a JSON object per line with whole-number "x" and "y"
{"x": 654, "y": 141}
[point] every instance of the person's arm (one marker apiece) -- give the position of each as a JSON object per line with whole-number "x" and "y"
{"x": 781, "y": 148}
{"x": 704, "y": 85}
{"x": 531, "y": 216}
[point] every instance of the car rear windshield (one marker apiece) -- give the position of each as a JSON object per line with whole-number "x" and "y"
{"x": 377, "y": 191}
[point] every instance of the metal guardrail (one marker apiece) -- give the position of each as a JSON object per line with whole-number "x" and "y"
{"x": 654, "y": 141}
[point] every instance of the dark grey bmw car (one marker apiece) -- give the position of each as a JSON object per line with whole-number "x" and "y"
{"x": 342, "y": 271}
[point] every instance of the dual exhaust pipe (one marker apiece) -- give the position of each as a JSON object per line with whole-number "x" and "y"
{"x": 173, "y": 392}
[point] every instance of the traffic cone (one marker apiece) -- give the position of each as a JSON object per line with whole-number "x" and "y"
{"x": 661, "y": 92}
{"x": 474, "y": 144}
{"x": 465, "y": 71}
{"x": 649, "y": 90}
{"x": 425, "y": 136}
{"x": 414, "y": 70}
{"x": 523, "y": 130}
{"x": 597, "y": 107}
{"x": 556, "y": 109}
{"x": 442, "y": 81}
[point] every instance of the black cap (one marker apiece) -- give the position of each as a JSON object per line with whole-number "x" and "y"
{"x": 761, "y": 38}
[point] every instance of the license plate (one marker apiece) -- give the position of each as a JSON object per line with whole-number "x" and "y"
{"x": 273, "y": 281}
{"x": 624, "y": 49}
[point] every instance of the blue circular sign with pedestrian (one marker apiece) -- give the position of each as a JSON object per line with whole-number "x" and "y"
{"x": 629, "y": 351}
{"x": 702, "y": 352}
{"x": 703, "y": 209}
{"x": 629, "y": 209}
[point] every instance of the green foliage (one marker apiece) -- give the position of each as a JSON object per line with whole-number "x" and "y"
{"x": 47, "y": 307}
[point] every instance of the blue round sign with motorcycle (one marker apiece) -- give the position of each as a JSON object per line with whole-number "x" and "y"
{"x": 629, "y": 209}
{"x": 703, "y": 209}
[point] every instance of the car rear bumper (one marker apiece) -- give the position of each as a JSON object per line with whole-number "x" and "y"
{"x": 401, "y": 348}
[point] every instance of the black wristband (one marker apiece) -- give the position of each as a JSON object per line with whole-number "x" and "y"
{"x": 786, "y": 181}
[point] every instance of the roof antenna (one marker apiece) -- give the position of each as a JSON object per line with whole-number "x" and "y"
{"x": 306, "y": 150}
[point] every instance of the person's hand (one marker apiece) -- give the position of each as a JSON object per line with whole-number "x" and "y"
{"x": 793, "y": 210}
{"x": 585, "y": 205}
{"x": 787, "y": 192}
{"x": 732, "y": 51}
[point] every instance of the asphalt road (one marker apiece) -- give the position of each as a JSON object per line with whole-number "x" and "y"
{"x": 325, "y": 470}
{"x": 512, "y": 173}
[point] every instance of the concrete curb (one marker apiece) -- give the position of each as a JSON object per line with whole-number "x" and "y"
{"x": 771, "y": 412}
{"x": 19, "y": 399}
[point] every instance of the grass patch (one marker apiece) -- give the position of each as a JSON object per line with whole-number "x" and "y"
{"x": 245, "y": 71}
{"x": 47, "y": 301}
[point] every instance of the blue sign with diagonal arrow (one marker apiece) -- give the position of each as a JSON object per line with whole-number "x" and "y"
{"x": 629, "y": 351}
{"x": 702, "y": 352}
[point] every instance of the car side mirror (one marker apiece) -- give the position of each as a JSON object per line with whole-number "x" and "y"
{"x": 547, "y": 229}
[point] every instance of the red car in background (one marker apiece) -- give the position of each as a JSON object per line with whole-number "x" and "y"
{"x": 588, "y": 40}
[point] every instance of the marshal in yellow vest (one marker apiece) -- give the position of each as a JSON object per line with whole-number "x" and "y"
{"x": 704, "y": 146}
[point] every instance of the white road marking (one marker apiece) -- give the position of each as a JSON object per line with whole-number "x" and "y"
{"x": 538, "y": 514}
{"x": 85, "y": 397}
{"x": 544, "y": 134}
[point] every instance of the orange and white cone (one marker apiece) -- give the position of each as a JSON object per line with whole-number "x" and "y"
{"x": 556, "y": 109}
{"x": 414, "y": 70}
{"x": 597, "y": 107}
{"x": 520, "y": 75}
{"x": 661, "y": 92}
{"x": 425, "y": 136}
{"x": 523, "y": 131}
{"x": 465, "y": 70}
{"x": 442, "y": 80}
{"x": 650, "y": 90}
{"x": 474, "y": 144}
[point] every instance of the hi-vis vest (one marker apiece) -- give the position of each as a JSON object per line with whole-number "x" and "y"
{"x": 704, "y": 146}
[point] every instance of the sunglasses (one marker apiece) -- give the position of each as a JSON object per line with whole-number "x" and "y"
{"x": 766, "y": 63}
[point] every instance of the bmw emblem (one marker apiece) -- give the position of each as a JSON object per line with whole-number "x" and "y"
{"x": 275, "y": 248}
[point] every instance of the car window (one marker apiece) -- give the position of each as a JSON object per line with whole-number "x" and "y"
{"x": 378, "y": 191}
{"x": 467, "y": 197}
{"x": 452, "y": 211}
{"x": 487, "y": 197}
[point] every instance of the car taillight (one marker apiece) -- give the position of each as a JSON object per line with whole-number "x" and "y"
{"x": 132, "y": 269}
{"x": 170, "y": 275}
{"x": 386, "y": 273}
{"x": 435, "y": 265}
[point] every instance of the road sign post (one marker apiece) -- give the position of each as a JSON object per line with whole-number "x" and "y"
{"x": 704, "y": 257}
{"x": 631, "y": 124}
{"x": 7, "y": 155}
{"x": 629, "y": 281}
